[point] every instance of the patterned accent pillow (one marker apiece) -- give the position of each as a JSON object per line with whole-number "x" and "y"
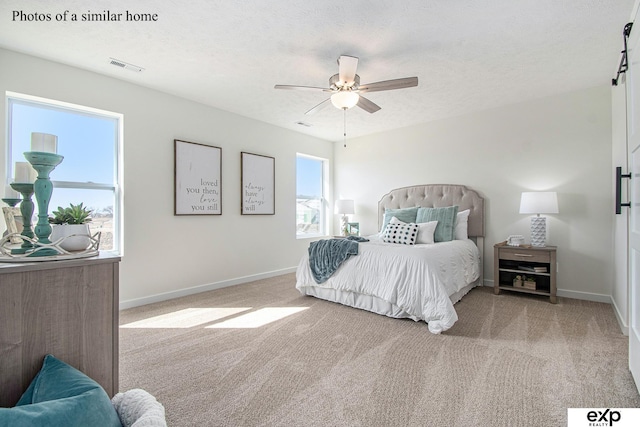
{"x": 403, "y": 234}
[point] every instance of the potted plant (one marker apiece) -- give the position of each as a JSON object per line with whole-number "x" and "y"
{"x": 529, "y": 282}
{"x": 71, "y": 224}
{"x": 517, "y": 281}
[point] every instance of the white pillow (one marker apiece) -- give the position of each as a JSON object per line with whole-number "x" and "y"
{"x": 401, "y": 233}
{"x": 462, "y": 225}
{"x": 395, "y": 220}
{"x": 425, "y": 231}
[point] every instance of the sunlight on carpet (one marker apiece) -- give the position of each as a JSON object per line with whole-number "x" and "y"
{"x": 190, "y": 317}
{"x": 187, "y": 318}
{"x": 258, "y": 318}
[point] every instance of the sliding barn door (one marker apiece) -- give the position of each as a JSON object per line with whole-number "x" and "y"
{"x": 633, "y": 142}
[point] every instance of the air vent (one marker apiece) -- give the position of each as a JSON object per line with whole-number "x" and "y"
{"x": 125, "y": 65}
{"x": 307, "y": 125}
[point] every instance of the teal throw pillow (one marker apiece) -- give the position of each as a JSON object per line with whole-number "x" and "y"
{"x": 404, "y": 215}
{"x": 446, "y": 217}
{"x": 60, "y": 395}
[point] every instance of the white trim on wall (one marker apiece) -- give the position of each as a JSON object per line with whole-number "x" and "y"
{"x": 202, "y": 288}
{"x": 566, "y": 293}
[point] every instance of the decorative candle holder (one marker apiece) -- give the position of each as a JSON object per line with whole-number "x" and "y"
{"x": 43, "y": 163}
{"x": 11, "y": 201}
{"x": 26, "y": 210}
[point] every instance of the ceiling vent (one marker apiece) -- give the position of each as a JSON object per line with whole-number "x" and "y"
{"x": 125, "y": 65}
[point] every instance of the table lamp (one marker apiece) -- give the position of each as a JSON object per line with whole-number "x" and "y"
{"x": 344, "y": 208}
{"x": 539, "y": 202}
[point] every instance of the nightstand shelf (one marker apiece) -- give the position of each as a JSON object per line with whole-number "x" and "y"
{"x": 512, "y": 261}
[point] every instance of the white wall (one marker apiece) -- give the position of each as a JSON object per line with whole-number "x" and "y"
{"x": 164, "y": 253}
{"x": 560, "y": 143}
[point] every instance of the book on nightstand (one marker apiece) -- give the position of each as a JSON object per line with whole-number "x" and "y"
{"x": 532, "y": 269}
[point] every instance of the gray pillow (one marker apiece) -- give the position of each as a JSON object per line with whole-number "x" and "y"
{"x": 404, "y": 215}
{"x": 446, "y": 217}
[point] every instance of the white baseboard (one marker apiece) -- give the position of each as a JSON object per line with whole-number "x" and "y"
{"x": 587, "y": 296}
{"x": 624, "y": 327}
{"x": 202, "y": 288}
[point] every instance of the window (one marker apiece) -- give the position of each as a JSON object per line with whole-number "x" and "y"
{"x": 89, "y": 140}
{"x": 311, "y": 203}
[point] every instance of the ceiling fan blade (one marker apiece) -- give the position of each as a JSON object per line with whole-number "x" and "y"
{"x": 367, "y": 105}
{"x": 308, "y": 88}
{"x": 347, "y": 66}
{"x": 389, "y": 85}
{"x": 318, "y": 107}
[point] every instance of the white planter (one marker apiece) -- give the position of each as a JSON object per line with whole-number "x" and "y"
{"x": 79, "y": 242}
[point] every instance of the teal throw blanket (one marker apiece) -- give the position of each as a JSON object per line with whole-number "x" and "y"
{"x": 325, "y": 256}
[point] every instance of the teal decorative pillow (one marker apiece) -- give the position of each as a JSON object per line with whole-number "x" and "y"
{"x": 60, "y": 395}
{"x": 446, "y": 218}
{"x": 404, "y": 215}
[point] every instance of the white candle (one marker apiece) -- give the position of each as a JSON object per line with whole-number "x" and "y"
{"x": 24, "y": 172}
{"x": 44, "y": 142}
{"x": 10, "y": 193}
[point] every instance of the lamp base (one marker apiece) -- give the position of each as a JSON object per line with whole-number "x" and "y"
{"x": 343, "y": 224}
{"x": 539, "y": 231}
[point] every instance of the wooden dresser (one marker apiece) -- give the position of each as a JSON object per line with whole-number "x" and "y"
{"x": 65, "y": 308}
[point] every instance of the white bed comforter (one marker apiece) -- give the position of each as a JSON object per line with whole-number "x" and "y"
{"x": 400, "y": 281}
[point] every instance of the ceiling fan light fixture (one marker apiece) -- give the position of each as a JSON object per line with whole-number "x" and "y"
{"x": 345, "y": 99}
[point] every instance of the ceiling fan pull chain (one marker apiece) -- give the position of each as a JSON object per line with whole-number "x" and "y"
{"x": 345, "y": 127}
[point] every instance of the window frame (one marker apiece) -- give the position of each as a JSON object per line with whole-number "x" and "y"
{"x": 12, "y": 98}
{"x": 324, "y": 198}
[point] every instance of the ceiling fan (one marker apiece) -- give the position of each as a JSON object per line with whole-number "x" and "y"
{"x": 346, "y": 89}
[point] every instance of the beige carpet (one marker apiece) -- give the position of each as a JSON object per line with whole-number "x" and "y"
{"x": 510, "y": 360}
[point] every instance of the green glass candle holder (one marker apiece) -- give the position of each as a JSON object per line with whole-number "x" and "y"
{"x": 11, "y": 201}
{"x": 43, "y": 163}
{"x": 26, "y": 210}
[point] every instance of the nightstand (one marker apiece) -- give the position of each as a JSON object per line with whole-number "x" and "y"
{"x": 536, "y": 263}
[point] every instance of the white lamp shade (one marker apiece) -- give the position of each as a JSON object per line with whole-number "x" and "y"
{"x": 345, "y": 207}
{"x": 539, "y": 202}
{"x": 345, "y": 99}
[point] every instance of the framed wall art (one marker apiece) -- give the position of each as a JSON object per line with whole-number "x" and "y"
{"x": 198, "y": 188}
{"x": 353, "y": 229}
{"x": 257, "y": 184}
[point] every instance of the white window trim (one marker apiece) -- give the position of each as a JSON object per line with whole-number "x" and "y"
{"x": 324, "y": 213}
{"x": 11, "y": 97}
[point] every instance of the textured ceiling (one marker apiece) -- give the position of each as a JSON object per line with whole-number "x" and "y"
{"x": 468, "y": 55}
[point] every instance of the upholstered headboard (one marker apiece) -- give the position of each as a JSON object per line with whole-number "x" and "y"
{"x": 435, "y": 196}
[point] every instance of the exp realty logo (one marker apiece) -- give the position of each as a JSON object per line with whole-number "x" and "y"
{"x": 603, "y": 417}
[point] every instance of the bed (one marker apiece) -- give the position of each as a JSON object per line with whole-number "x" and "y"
{"x": 421, "y": 282}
